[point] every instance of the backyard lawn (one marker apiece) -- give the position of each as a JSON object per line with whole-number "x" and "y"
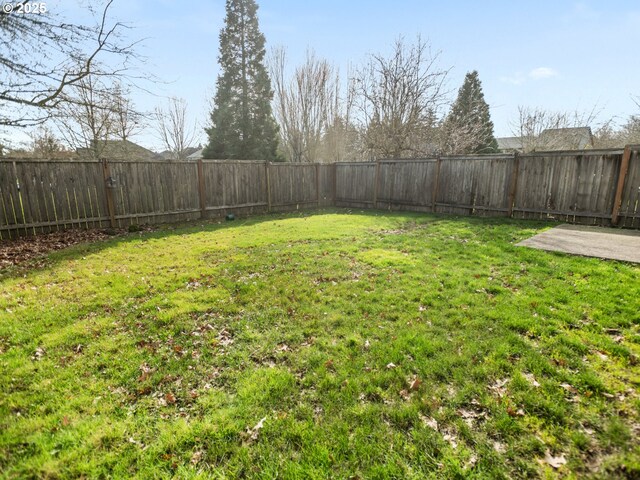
{"x": 331, "y": 344}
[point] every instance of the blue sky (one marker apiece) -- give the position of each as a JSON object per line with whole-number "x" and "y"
{"x": 558, "y": 55}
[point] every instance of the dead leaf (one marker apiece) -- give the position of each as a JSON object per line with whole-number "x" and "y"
{"x": 65, "y": 421}
{"x": 499, "y": 447}
{"x": 196, "y": 457}
{"x": 429, "y": 422}
{"x": 328, "y": 364}
{"x": 555, "y": 462}
{"x": 453, "y": 441}
{"x": 39, "y": 353}
{"x": 367, "y": 344}
{"x": 391, "y": 365}
{"x": 255, "y": 431}
{"x": 415, "y": 384}
{"x": 170, "y": 398}
{"x": 498, "y": 387}
{"x": 473, "y": 459}
{"x": 515, "y": 413}
{"x": 531, "y": 379}
{"x": 569, "y": 388}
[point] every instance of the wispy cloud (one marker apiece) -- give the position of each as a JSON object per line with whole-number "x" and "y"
{"x": 542, "y": 72}
{"x": 516, "y": 79}
{"x": 539, "y": 73}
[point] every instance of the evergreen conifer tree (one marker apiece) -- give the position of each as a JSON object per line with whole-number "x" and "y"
{"x": 468, "y": 127}
{"x": 242, "y": 124}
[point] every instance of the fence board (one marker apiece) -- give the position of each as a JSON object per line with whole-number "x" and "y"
{"x": 630, "y": 208}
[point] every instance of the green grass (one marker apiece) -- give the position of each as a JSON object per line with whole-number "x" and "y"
{"x": 157, "y": 355}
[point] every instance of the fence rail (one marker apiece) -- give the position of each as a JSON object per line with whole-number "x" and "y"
{"x": 600, "y": 187}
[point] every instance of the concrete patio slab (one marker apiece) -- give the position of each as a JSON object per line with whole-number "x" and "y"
{"x": 597, "y": 242}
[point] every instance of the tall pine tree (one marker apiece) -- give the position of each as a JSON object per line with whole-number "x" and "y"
{"x": 468, "y": 127}
{"x": 242, "y": 124}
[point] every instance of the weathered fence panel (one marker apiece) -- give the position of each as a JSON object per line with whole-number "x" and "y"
{"x": 599, "y": 187}
{"x": 293, "y": 186}
{"x": 327, "y": 184}
{"x": 143, "y": 191}
{"x": 630, "y": 205}
{"x": 231, "y": 185}
{"x": 36, "y": 198}
{"x": 576, "y": 188}
{"x": 406, "y": 184}
{"x": 355, "y": 184}
{"x": 475, "y": 185}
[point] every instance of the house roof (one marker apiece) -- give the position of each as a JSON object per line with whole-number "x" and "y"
{"x": 188, "y": 152}
{"x": 577, "y": 138}
{"x": 509, "y": 143}
{"x": 121, "y": 150}
{"x": 197, "y": 155}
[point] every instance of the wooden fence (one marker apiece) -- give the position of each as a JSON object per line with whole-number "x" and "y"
{"x": 589, "y": 187}
{"x": 594, "y": 187}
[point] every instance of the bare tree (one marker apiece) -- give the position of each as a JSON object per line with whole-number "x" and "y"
{"x": 128, "y": 121}
{"x": 45, "y": 145}
{"x": 535, "y": 126}
{"x": 173, "y": 129}
{"x": 307, "y": 106}
{"x": 86, "y": 118}
{"x": 398, "y": 99}
{"x": 43, "y": 55}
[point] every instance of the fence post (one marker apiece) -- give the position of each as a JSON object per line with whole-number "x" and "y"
{"x": 436, "y": 185}
{"x": 376, "y": 182}
{"x": 108, "y": 190}
{"x": 622, "y": 176}
{"x": 335, "y": 183}
{"x": 201, "y": 189}
{"x": 267, "y": 174}
{"x": 317, "y": 185}
{"x": 513, "y": 184}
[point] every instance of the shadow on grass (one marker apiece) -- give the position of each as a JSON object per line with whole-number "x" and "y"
{"x": 161, "y": 231}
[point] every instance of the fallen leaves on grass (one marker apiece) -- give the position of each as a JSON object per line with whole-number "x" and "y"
{"x": 39, "y": 353}
{"x": 15, "y": 252}
{"x": 224, "y": 338}
{"x": 569, "y": 388}
{"x": 515, "y": 412}
{"x": 429, "y": 422}
{"x": 498, "y": 387}
{"x": 451, "y": 439}
{"x": 555, "y": 462}
{"x": 415, "y": 384}
{"x": 196, "y": 457}
{"x": 391, "y": 365}
{"x": 253, "y": 433}
{"x": 531, "y": 379}
{"x": 499, "y": 447}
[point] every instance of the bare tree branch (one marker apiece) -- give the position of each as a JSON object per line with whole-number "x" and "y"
{"x": 43, "y": 55}
{"x": 172, "y": 128}
{"x": 398, "y": 98}
{"x": 307, "y": 106}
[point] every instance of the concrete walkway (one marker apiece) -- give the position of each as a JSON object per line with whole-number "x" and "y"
{"x": 598, "y": 242}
